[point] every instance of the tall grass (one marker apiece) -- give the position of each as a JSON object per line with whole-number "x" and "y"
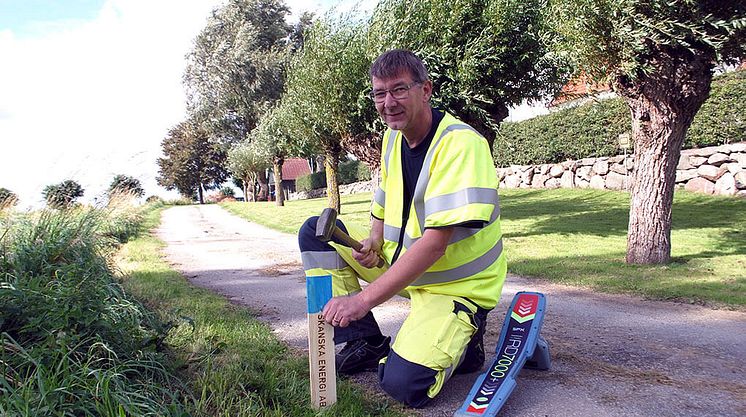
{"x": 71, "y": 341}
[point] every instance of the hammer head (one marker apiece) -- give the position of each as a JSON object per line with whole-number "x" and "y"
{"x": 325, "y": 224}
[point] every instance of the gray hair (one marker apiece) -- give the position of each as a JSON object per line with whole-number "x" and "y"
{"x": 392, "y": 63}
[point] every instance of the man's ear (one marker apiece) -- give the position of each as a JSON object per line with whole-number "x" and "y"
{"x": 427, "y": 89}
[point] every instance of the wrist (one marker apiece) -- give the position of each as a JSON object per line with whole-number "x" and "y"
{"x": 365, "y": 301}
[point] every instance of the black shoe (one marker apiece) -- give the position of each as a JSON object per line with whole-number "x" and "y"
{"x": 474, "y": 356}
{"x": 359, "y": 355}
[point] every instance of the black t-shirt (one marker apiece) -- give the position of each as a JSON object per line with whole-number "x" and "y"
{"x": 412, "y": 160}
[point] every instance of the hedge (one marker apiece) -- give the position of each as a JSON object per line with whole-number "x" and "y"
{"x": 353, "y": 171}
{"x": 592, "y": 130}
{"x": 347, "y": 173}
{"x": 311, "y": 182}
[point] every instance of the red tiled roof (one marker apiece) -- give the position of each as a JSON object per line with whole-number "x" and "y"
{"x": 578, "y": 87}
{"x": 293, "y": 168}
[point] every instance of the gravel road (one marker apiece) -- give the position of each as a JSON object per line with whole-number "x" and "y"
{"x": 611, "y": 355}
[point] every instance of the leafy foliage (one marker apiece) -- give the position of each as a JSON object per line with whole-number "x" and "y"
{"x": 62, "y": 195}
{"x": 227, "y": 192}
{"x": 722, "y": 118}
{"x": 191, "y": 161}
{"x": 327, "y": 113}
{"x": 482, "y": 55}
{"x": 590, "y": 130}
{"x": 246, "y": 162}
{"x": 609, "y": 37}
{"x": 353, "y": 171}
{"x": 71, "y": 340}
{"x": 311, "y": 181}
{"x": 236, "y": 69}
{"x": 125, "y": 184}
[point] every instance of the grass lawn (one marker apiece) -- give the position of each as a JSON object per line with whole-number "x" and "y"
{"x": 579, "y": 237}
{"x": 233, "y": 363}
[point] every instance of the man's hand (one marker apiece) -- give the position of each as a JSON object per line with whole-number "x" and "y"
{"x": 369, "y": 254}
{"x": 340, "y": 311}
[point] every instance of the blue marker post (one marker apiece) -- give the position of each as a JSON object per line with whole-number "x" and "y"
{"x": 320, "y": 343}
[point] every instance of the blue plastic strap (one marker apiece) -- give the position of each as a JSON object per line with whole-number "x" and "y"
{"x": 319, "y": 291}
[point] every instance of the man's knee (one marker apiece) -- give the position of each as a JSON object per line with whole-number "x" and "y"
{"x": 307, "y": 240}
{"x": 405, "y": 381}
{"x": 307, "y": 234}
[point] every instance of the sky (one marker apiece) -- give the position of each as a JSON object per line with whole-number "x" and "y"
{"x": 89, "y": 89}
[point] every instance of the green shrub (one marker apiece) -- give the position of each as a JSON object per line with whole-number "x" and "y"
{"x": 71, "y": 341}
{"x": 181, "y": 201}
{"x": 722, "y": 118}
{"x": 592, "y": 130}
{"x": 227, "y": 192}
{"x": 311, "y": 182}
{"x": 353, "y": 171}
{"x": 589, "y": 130}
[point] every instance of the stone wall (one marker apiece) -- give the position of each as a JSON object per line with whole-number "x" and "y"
{"x": 346, "y": 189}
{"x": 713, "y": 170}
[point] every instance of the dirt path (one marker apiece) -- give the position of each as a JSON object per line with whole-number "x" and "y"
{"x": 612, "y": 355}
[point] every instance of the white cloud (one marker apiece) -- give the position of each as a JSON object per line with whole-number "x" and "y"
{"x": 87, "y": 100}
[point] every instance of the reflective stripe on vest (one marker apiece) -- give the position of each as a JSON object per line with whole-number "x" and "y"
{"x": 391, "y": 233}
{"x": 466, "y": 270}
{"x": 380, "y": 197}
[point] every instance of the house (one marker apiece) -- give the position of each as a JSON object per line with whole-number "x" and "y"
{"x": 579, "y": 91}
{"x": 292, "y": 169}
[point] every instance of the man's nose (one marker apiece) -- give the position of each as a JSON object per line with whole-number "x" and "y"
{"x": 389, "y": 100}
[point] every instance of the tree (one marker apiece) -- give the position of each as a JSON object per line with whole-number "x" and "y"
{"x": 7, "y": 198}
{"x": 236, "y": 69}
{"x": 245, "y": 162}
{"x": 483, "y": 56}
{"x": 125, "y": 184}
{"x": 659, "y": 57}
{"x": 336, "y": 112}
{"x": 62, "y": 195}
{"x": 191, "y": 163}
{"x": 277, "y": 137}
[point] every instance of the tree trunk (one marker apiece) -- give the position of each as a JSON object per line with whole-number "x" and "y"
{"x": 200, "y": 194}
{"x": 663, "y": 104}
{"x": 246, "y": 183}
{"x": 332, "y": 184}
{"x": 277, "y": 167}
{"x": 263, "y": 186}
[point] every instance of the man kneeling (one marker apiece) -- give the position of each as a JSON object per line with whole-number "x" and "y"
{"x": 435, "y": 219}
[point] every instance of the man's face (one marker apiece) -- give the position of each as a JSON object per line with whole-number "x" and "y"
{"x": 402, "y": 113}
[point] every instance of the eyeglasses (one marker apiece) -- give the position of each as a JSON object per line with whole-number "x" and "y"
{"x": 397, "y": 93}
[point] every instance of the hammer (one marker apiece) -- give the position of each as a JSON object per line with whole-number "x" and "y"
{"x": 326, "y": 227}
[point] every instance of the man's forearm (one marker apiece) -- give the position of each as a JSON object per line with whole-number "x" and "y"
{"x": 376, "y": 230}
{"x": 415, "y": 261}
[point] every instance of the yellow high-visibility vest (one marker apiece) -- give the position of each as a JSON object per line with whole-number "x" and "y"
{"x": 457, "y": 184}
